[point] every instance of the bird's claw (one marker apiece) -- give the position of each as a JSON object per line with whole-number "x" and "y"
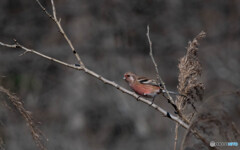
{"x": 138, "y": 98}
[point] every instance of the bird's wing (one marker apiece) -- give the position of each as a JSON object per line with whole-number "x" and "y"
{"x": 144, "y": 80}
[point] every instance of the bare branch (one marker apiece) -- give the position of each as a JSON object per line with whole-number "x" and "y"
{"x": 58, "y": 23}
{"x": 104, "y": 80}
{"x": 17, "y": 45}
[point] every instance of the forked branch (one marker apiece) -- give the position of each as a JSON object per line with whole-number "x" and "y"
{"x": 159, "y": 79}
{"x": 104, "y": 80}
{"x": 58, "y": 23}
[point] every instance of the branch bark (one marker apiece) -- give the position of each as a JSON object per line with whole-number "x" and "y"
{"x": 104, "y": 80}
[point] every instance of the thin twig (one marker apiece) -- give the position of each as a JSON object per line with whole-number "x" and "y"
{"x": 104, "y": 80}
{"x": 151, "y": 55}
{"x": 54, "y": 10}
{"x": 176, "y": 136}
{"x": 159, "y": 79}
{"x": 58, "y": 23}
{"x": 45, "y": 11}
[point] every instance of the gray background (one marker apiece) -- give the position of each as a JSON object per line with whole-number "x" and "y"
{"x": 77, "y": 111}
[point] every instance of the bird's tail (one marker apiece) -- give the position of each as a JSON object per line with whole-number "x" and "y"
{"x": 171, "y": 92}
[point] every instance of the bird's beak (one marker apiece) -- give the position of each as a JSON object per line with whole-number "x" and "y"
{"x": 124, "y": 78}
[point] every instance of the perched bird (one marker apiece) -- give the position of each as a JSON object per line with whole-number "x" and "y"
{"x": 144, "y": 86}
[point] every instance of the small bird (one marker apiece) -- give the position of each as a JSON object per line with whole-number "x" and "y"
{"x": 144, "y": 86}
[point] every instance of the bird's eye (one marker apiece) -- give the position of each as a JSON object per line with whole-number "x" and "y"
{"x": 128, "y": 75}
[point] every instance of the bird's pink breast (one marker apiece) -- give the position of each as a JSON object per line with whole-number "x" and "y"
{"x": 145, "y": 90}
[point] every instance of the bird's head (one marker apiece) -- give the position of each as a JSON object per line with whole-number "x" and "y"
{"x": 129, "y": 77}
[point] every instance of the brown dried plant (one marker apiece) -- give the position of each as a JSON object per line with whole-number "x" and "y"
{"x": 16, "y": 102}
{"x": 189, "y": 84}
{"x": 208, "y": 118}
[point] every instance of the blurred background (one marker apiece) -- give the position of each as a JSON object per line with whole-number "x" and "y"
{"x": 77, "y": 111}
